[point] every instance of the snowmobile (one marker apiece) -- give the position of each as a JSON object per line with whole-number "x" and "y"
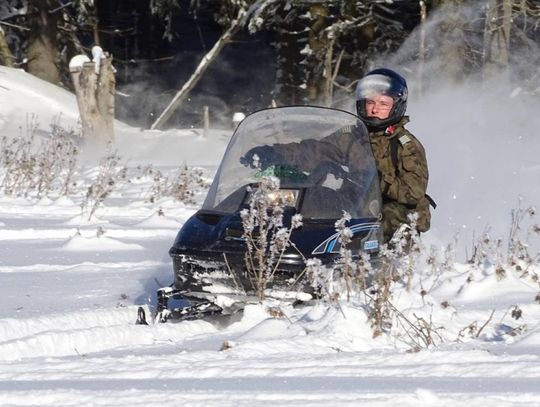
{"x": 324, "y": 163}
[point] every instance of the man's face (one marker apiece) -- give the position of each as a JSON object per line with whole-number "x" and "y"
{"x": 379, "y": 106}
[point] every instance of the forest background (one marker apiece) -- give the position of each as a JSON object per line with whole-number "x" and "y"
{"x": 278, "y": 51}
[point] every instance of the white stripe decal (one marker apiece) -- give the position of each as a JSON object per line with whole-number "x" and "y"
{"x": 328, "y": 245}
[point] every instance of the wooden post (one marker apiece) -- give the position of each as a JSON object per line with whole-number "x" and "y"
{"x": 95, "y": 98}
{"x": 237, "y": 119}
{"x": 206, "y": 121}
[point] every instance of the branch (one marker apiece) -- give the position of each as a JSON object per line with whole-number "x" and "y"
{"x": 60, "y": 7}
{"x": 19, "y": 27}
{"x": 234, "y": 27}
{"x": 485, "y": 324}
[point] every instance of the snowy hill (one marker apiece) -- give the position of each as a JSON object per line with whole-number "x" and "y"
{"x": 25, "y": 98}
{"x": 69, "y": 291}
{"x": 23, "y": 95}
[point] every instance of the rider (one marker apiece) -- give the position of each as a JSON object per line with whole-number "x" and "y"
{"x": 381, "y": 102}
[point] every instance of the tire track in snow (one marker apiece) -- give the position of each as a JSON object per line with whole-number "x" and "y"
{"x": 135, "y": 393}
{"x": 64, "y": 334}
{"x": 66, "y": 233}
{"x": 175, "y": 394}
{"x": 82, "y": 267}
{"x": 84, "y": 332}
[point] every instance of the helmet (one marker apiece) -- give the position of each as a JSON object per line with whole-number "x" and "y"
{"x": 382, "y": 82}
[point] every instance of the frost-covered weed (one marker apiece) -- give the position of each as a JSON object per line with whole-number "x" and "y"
{"x": 407, "y": 268}
{"x": 348, "y": 267}
{"x": 350, "y": 273}
{"x": 39, "y": 167}
{"x": 319, "y": 276}
{"x": 181, "y": 185}
{"x": 265, "y": 235}
{"x": 513, "y": 257}
{"x": 110, "y": 173}
{"x": 36, "y": 165}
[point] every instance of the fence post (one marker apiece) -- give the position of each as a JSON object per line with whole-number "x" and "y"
{"x": 206, "y": 121}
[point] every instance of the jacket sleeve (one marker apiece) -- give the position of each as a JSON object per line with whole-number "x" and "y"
{"x": 409, "y": 183}
{"x": 311, "y": 152}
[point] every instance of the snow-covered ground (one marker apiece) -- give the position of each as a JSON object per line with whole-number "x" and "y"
{"x": 69, "y": 291}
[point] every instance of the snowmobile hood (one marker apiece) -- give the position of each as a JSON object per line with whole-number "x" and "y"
{"x": 322, "y": 153}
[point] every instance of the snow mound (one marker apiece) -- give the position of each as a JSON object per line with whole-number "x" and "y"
{"x": 85, "y": 332}
{"x": 160, "y": 221}
{"x": 78, "y": 61}
{"x": 95, "y": 243}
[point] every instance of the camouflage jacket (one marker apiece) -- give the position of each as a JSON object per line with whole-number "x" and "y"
{"x": 404, "y": 182}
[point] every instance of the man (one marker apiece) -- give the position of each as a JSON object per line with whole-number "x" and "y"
{"x": 381, "y": 102}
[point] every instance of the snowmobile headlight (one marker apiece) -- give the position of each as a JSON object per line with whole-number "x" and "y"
{"x": 286, "y": 197}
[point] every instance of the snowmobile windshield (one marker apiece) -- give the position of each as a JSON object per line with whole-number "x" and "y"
{"x": 322, "y": 155}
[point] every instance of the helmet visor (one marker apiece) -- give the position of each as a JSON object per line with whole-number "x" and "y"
{"x": 373, "y": 85}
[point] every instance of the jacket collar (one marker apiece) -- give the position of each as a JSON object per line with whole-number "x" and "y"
{"x": 392, "y": 130}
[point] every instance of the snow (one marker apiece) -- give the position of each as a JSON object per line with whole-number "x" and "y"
{"x": 97, "y": 55}
{"x": 70, "y": 288}
{"x": 77, "y": 62}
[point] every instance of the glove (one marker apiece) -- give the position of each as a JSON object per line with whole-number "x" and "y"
{"x": 266, "y": 154}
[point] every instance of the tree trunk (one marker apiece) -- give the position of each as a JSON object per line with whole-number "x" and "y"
{"x": 328, "y": 74}
{"x": 497, "y": 38}
{"x": 42, "y": 44}
{"x": 331, "y": 71}
{"x": 450, "y": 41}
{"x": 320, "y": 48}
{"x": 289, "y": 72}
{"x": 6, "y": 57}
{"x": 95, "y": 98}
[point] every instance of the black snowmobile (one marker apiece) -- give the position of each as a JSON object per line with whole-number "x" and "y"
{"x": 325, "y": 165}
